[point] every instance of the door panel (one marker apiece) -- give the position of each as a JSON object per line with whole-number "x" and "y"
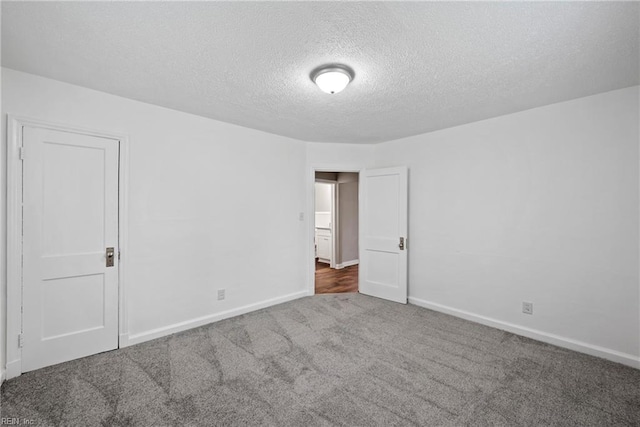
{"x": 70, "y": 216}
{"x": 63, "y": 232}
{"x": 61, "y": 318}
{"x": 383, "y": 270}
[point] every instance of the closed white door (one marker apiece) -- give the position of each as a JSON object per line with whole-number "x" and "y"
{"x": 70, "y": 218}
{"x": 383, "y": 222}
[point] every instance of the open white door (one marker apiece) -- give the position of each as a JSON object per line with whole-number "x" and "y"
{"x": 70, "y": 246}
{"x": 383, "y": 231}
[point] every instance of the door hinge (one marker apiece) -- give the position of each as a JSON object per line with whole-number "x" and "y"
{"x": 20, "y": 341}
{"x": 118, "y": 255}
{"x": 21, "y": 153}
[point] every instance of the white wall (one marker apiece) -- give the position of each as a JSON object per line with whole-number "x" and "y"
{"x": 323, "y": 205}
{"x": 537, "y": 206}
{"x": 339, "y": 157}
{"x": 201, "y": 208}
{"x": 323, "y": 197}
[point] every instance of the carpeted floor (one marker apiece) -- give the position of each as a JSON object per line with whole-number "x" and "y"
{"x": 343, "y": 359}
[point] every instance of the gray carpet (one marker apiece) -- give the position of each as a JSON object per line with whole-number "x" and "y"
{"x": 343, "y": 359}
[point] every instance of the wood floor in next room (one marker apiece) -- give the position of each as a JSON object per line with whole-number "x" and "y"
{"x": 331, "y": 280}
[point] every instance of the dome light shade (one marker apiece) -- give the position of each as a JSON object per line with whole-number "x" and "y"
{"x": 332, "y": 78}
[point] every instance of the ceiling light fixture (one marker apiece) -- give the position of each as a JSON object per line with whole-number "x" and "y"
{"x": 332, "y": 78}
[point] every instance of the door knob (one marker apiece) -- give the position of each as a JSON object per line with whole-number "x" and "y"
{"x": 110, "y": 255}
{"x": 401, "y": 244}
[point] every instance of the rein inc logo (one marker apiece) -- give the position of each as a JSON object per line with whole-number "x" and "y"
{"x": 16, "y": 421}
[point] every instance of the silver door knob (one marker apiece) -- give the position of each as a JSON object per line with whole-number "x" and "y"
{"x": 110, "y": 252}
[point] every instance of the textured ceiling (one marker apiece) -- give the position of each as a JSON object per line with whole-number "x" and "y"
{"x": 419, "y": 66}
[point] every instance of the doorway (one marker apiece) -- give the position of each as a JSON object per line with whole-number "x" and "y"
{"x": 336, "y": 209}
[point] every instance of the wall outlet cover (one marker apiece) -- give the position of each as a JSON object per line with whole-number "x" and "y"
{"x": 527, "y": 307}
{"x": 221, "y": 294}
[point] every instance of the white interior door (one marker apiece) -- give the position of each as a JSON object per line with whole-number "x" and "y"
{"x": 383, "y": 222}
{"x": 70, "y": 218}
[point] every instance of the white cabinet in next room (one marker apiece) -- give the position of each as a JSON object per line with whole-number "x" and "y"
{"x": 324, "y": 246}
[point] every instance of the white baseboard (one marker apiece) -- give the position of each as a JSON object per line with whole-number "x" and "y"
{"x": 348, "y": 263}
{"x": 14, "y": 369}
{"x": 582, "y": 347}
{"x": 194, "y": 323}
{"x": 123, "y": 341}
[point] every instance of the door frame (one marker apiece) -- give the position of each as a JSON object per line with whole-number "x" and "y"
{"x": 14, "y": 230}
{"x": 311, "y": 203}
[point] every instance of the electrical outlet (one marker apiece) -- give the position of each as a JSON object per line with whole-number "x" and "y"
{"x": 220, "y": 294}
{"x": 527, "y": 307}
